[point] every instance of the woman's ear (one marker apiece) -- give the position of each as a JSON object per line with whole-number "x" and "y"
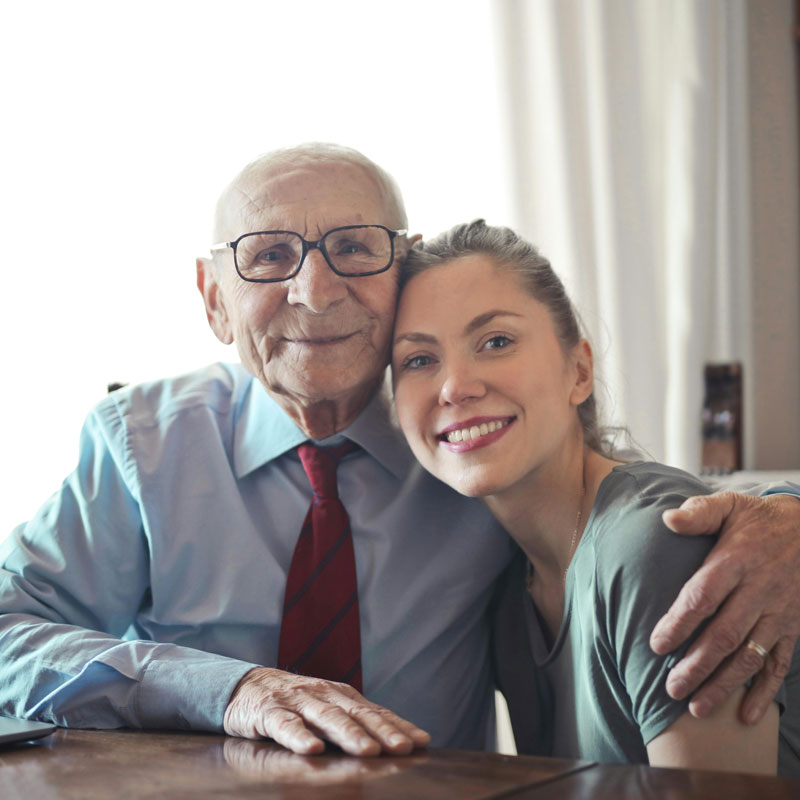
{"x": 216, "y": 312}
{"x": 583, "y": 360}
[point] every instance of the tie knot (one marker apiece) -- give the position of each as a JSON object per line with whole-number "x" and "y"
{"x": 320, "y": 466}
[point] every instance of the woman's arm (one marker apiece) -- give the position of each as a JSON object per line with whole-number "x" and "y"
{"x": 720, "y": 742}
{"x": 640, "y": 563}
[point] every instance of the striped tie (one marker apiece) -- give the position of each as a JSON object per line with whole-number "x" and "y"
{"x": 320, "y": 632}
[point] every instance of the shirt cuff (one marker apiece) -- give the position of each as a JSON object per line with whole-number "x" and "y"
{"x": 188, "y": 691}
{"x": 785, "y": 492}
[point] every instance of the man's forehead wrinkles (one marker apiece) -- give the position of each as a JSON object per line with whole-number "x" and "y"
{"x": 304, "y": 232}
{"x": 250, "y": 205}
{"x": 308, "y": 202}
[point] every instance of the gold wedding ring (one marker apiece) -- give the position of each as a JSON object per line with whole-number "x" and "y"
{"x": 757, "y": 648}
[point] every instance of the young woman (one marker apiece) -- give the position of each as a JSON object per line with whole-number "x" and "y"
{"x": 494, "y": 391}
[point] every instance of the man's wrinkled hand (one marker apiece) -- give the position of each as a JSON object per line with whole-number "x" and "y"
{"x": 749, "y": 583}
{"x": 302, "y": 713}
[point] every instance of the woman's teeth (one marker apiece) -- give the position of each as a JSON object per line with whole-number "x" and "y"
{"x": 465, "y": 434}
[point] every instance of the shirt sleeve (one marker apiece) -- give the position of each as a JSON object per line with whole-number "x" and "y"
{"x": 787, "y": 487}
{"x": 756, "y": 489}
{"x": 71, "y": 582}
{"x": 641, "y": 567}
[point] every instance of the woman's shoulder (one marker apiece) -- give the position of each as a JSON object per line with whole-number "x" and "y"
{"x": 650, "y": 482}
{"x": 644, "y": 489}
{"x": 626, "y": 526}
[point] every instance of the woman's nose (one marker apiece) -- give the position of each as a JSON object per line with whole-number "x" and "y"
{"x": 461, "y": 386}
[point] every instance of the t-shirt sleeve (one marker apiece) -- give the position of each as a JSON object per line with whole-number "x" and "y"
{"x": 641, "y": 567}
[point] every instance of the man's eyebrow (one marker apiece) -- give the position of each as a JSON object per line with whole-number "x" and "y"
{"x": 485, "y": 319}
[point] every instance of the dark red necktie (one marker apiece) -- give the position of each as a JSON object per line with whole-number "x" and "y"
{"x": 320, "y": 632}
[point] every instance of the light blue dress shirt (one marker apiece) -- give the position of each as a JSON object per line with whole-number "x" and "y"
{"x": 153, "y": 580}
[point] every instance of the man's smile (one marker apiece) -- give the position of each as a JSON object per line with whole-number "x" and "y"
{"x": 316, "y": 341}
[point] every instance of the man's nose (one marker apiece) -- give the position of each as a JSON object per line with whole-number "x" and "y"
{"x": 316, "y": 286}
{"x": 462, "y": 384}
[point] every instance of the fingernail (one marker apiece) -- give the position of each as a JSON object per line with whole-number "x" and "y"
{"x": 700, "y": 708}
{"x": 752, "y": 715}
{"x": 658, "y": 644}
{"x": 677, "y": 688}
{"x": 397, "y": 739}
{"x": 312, "y": 744}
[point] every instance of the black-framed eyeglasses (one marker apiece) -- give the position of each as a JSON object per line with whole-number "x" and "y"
{"x": 353, "y": 251}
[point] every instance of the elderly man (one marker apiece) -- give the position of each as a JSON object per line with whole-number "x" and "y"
{"x": 181, "y": 564}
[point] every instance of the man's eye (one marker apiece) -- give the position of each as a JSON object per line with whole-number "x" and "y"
{"x": 270, "y": 256}
{"x": 497, "y": 343}
{"x": 350, "y": 248}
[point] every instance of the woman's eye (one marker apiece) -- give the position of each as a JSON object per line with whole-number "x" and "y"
{"x": 416, "y": 362}
{"x": 497, "y": 343}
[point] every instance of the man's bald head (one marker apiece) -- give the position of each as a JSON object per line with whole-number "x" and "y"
{"x": 244, "y": 187}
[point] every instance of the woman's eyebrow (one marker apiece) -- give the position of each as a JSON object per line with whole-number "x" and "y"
{"x": 485, "y": 319}
{"x": 473, "y": 325}
{"x": 425, "y": 338}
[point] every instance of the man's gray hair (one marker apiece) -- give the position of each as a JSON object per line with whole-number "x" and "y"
{"x": 310, "y": 154}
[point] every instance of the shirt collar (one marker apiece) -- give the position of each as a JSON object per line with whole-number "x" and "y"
{"x": 264, "y": 432}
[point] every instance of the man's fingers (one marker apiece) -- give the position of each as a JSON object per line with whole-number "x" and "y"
{"x": 698, "y": 599}
{"x": 735, "y": 671}
{"x": 703, "y": 514}
{"x": 337, "y": 726}
{"x": 420, "y": 737}
{"x": 392, "y": 739}
{"x": 289, "y": 730}
{"x": 720, "y": 639}
{"x": 761, "y": 694}
{"x": 397, "y": 735}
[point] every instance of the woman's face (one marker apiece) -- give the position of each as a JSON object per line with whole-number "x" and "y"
{"x": 484, "y": 391}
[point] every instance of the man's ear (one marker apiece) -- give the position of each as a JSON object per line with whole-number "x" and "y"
{"x": 583, "y": 359}
{"x": 216, "y": 312}
{"x": 410, "y": 241}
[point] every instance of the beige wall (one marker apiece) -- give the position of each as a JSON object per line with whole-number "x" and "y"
{"x": 772, "y": 387}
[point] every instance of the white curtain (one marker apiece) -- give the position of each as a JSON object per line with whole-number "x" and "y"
{"x": 629, "y": 126}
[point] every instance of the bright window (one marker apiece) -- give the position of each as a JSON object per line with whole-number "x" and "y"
{"x": 123, "y": 122}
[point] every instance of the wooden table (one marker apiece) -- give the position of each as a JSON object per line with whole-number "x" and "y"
{"x": 141, "y": 764}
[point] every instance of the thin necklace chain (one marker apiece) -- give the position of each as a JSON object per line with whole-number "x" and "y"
{"x": 574, "y": 536}
{"x": 572, "y": 544}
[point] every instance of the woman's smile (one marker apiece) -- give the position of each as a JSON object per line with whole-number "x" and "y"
{"x": 473, "y": 433}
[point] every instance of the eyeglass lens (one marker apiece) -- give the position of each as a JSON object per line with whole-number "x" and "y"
{"x": 351, "y": 251}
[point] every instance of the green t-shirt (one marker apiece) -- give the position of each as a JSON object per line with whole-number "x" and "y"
{"x": 599, "y": 692}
